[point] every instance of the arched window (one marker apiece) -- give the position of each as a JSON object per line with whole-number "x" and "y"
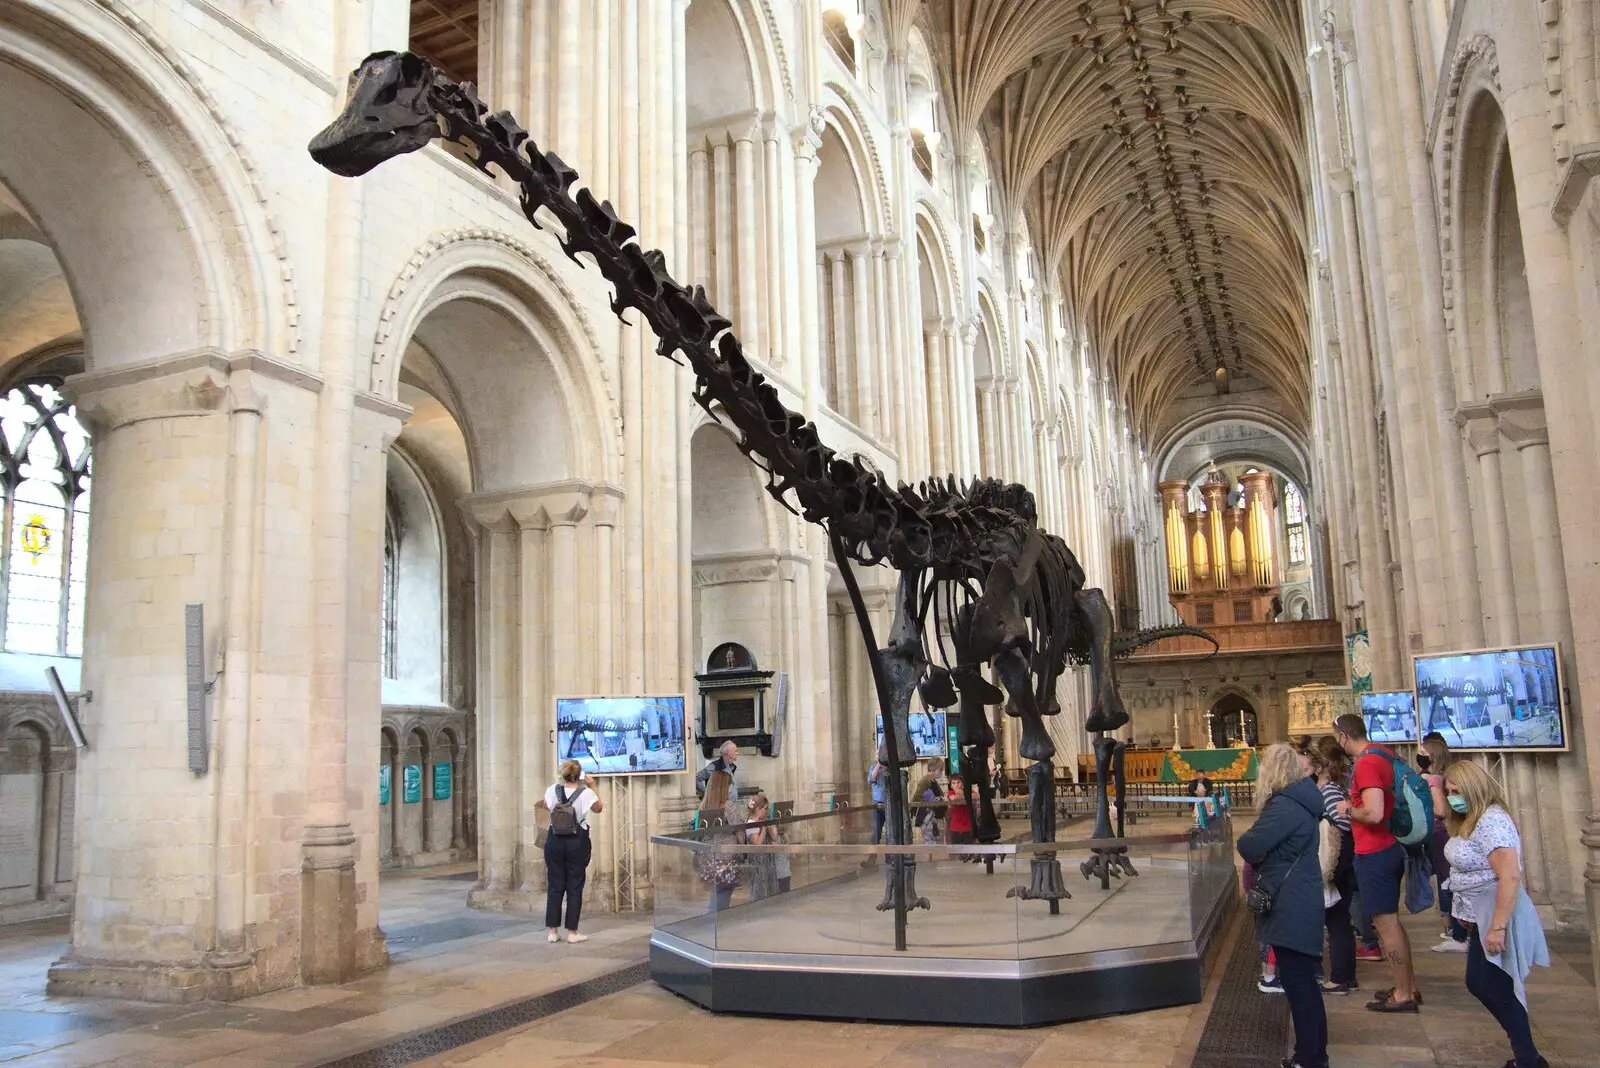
{"x": 836, "y": 31}
{"x": 387, "y": 609}
{"x": 1294, "y": 505}
{"x": 1294, "y": 517}
{"x": 46, "y": 489}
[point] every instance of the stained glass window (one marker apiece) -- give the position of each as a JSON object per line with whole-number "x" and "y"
{"x": 45, "y": 484}
{"x": 1294, "y": 505}
{"x": 1297, "y": 545}
{"x": 386, "y": 607}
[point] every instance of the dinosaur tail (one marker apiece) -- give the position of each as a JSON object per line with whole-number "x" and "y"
{"x": 1124, "y": 644}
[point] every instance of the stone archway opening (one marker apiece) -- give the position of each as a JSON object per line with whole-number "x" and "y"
{"x": 1233, "y": 722}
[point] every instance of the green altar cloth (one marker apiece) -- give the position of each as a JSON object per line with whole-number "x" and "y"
{"x": 1218, "y": 765}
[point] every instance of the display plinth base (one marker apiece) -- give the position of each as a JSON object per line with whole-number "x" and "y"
{"x": 821, "y": 950}
{"x": 930, "y": 989}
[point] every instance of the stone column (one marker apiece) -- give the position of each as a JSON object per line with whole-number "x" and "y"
{"x": 899, "y": 402}
{"x": 842, "y": 401}
{"x": 862, "y": 351}
{"x": 183, "y": 878}
{"x": 547, "y": 592}
{"x": 700, "y": 236}
{"x": 750, "y": 329}
{"x": 776, "y": 306}
{"x": 938, "y": 419}
{"x": 1480, "y": 426}
{"x": 722, "y": 225}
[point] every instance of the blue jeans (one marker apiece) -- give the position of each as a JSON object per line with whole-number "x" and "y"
{"x": 1301, "y": 976}
{"x": 1493, "y": 987}
{"x": 879, "y": 816}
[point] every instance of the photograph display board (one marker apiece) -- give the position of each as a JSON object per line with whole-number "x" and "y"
{"x": 621, "y": 735}
{"x": 927, "y": 735}
{"x": 1391, "y": 717}
{"x": 1494, "y": 699}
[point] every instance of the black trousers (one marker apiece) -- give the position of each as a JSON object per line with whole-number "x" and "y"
{"x": 1341, "y": 941}
{"x": 1492, "y": 986}
{"x": 1301, "y": 976}
{"x": 566, "y": 864}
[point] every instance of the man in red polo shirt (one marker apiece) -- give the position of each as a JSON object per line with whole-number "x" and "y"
{"x": 1380, "y": 861}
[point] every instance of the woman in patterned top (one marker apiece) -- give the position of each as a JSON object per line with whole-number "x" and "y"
{"x": 1505, "y": 937}
{"x": 1330, "y": 765}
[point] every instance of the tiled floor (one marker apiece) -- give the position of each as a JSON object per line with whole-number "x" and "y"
{"x": 452, "y": 963}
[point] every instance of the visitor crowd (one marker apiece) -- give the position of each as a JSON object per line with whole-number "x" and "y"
{"x": 1343, "y": 825}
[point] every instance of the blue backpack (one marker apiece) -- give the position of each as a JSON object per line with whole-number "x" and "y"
{"x": 1411, "y": 822}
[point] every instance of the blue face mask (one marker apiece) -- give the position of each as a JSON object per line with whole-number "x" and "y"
{"x": 1457, "y": 803}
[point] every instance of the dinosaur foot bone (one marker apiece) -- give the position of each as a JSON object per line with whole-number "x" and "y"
{"x": 1045, "y": 883}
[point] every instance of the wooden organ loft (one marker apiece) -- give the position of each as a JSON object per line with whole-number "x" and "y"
{"x": 1220, "y": 566}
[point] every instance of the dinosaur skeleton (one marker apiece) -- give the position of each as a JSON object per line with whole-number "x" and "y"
{"x": 972, "y": 561}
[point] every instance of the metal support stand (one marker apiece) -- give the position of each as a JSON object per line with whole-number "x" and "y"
{"x": 900, "y": 871}
{"x": 1045, "y": 882}
{"x": 1108, "y": 861}
{"x": 623, "y": 884}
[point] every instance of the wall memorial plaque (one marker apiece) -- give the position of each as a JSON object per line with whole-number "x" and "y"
{"x": 412, "y": 784}
{"x": 441, "y": 782}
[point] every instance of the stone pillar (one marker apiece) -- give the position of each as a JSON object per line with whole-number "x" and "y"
{"x": 188, "y": 884}
{"x": 862, "y": 351}
{"x": 841, "y": 400}
{"x": 776, "y": 307}
{"x": 749, "y": 326}
{"x": 1480, "y": 426}
{"x": 700, "y": 236}
{"x": 541, "y": 547}
{"x": 938, "y": 419}
{"x": 722, "y": 226}
{"x": 898, "y": 400}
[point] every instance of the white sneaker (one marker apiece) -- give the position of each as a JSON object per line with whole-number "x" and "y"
{"x": 1450, "y": 945}
{"x": 553, "y": 936}
{"x": 574, "y": 936}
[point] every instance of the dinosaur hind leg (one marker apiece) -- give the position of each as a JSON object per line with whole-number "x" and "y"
{"x": 1106, "y": 712}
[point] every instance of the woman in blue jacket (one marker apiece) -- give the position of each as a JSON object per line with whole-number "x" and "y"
{"x": 1282, "y": 847}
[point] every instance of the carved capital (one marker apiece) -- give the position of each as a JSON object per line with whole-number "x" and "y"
{"x": 1522, "y": 418}
{"x": 1481, "y": 428}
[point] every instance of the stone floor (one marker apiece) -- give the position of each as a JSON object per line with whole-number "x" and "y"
{"x": 463, "y": 973}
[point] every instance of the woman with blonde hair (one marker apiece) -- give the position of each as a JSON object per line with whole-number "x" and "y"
{"x": 1287, "y": 899}
{"x": 721, "y": 869}
{"x": 567, "y": 848}
{"x": 1505, "y": 938}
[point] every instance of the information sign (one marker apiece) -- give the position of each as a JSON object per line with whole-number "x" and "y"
{"x": 385, "y": 776}
{"x": 412, "y": 784}
{"x": 441, "y": 782}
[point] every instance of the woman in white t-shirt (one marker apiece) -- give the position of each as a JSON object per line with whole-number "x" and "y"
{"x": 566, "y": 855}
{"x": 1505, "y": 939}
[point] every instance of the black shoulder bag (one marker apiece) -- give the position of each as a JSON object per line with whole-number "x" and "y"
{"x": 1261, "y": 900}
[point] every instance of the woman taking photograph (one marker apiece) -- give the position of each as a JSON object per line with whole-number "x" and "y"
{"x": 567, "y": 848}
{"x": 1504, "y": 937}
{"x": 1282, "y": 848}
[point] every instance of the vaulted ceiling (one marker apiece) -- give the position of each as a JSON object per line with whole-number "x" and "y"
{"x": 1157, "y": 148}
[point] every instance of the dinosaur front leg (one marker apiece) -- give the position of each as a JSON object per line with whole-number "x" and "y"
{"x": 1106, "y": 712}
{"x": 1012, "y": 669}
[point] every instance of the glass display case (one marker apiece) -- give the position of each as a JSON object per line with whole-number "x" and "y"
{"x": 804, "y": 926}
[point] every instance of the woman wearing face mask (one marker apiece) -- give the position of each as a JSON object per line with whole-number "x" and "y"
{"x": 1505, "y": 939}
